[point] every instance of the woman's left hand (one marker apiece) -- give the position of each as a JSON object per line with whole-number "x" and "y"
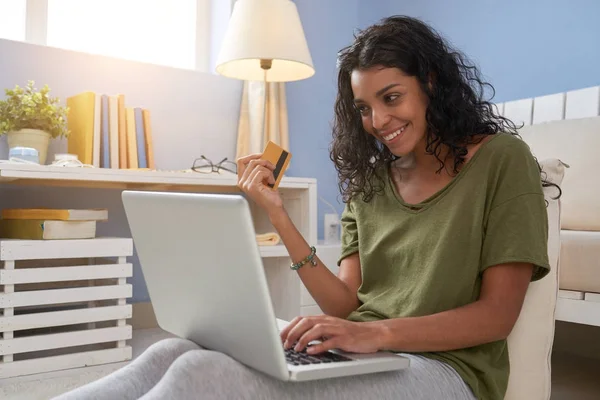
{"x": 335, "y": 333}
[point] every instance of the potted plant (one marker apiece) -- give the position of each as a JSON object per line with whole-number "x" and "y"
{"x": 30, "y": 118}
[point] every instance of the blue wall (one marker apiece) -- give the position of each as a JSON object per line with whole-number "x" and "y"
{"x": 328, "y": 26}
{"x": 524, "y": 48}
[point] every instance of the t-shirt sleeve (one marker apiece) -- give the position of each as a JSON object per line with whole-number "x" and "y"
{"x": 517, "y": 231}
{"x": 517, "y": 223}
{"x": 349, "y": 232}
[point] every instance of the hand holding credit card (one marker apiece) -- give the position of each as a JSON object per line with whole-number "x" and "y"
{"x": 279, "y": 158}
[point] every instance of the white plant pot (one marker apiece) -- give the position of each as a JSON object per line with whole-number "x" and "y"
{"x": 33, "y": 138}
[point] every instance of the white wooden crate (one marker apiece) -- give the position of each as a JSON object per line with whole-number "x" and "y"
{"x": 63, "y": 304}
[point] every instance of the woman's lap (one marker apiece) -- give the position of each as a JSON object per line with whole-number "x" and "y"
{"x": 179, "y": 369}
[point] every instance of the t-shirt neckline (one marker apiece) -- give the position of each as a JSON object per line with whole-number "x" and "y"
{"x": 434, "y": 198}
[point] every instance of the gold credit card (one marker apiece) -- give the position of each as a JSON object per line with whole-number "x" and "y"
{"x": 279, "y": 158}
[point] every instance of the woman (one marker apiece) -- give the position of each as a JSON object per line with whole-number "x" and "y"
{"x": 444, "y": 227}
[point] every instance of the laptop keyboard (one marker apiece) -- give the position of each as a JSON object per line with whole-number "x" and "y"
{"x": 302, "y": 358}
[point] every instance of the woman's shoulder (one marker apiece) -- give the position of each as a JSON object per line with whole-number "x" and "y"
{"x": 507, "y": 142}
{"x": 506, "y": 148}
{"x": 509, "y": 159}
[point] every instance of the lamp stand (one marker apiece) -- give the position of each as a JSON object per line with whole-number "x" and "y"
{"x": 265, "y": 64}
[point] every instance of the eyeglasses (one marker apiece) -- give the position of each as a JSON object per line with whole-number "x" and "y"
{"x": 206, "y": 166}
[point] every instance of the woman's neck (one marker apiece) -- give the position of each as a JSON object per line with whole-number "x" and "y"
{"x": 420, "y": 161}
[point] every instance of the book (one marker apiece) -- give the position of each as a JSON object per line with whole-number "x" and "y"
{"x": 36, "y": 229}
{"x": 122, "y": 132}
{"x": 98, "y": 214}
{"x": 97, "y": 130}
{"x": 148, "y": 136}
{"x": 81, "y": 122}
{"x": 132, "y": 154}
{"x": 105, "y": 139}
{"x": 140, "y": 139}
{"x": 113, "y": 130}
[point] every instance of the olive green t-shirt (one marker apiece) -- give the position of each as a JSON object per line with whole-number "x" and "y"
{"x": 427, "y": 258}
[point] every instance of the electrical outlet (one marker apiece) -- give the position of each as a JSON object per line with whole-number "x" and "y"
{"x": 332, "y": 231}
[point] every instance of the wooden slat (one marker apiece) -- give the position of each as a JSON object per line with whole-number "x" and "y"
{"x": 593, "y": 297}
{"x": 67, "y": 317}
{"x": 66, "y": 339}
{"x": 60, "y": 274}
{"x": 56, "y": 296}
{"x": 76, "y": 248}
{"x": 67, "y": 361}
{"x": 519, "y": 111}
{"x": 8, "y": 311}
{"x": 578, "y": 311}
{"x": 571, "y": 294}
{"x": 583, "y": 103}
{"x": 549, "y": 108}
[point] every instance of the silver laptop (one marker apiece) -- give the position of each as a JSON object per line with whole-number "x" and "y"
{"x": 206, "y": 281}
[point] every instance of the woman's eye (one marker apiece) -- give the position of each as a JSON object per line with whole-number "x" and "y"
{"x": 391, "y": 97}
{"x": 363, "y": 110}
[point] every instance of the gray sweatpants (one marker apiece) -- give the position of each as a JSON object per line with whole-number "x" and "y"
{"x": 178, "y": 369}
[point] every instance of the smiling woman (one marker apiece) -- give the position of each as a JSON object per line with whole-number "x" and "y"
{"x": 445, "y": 226}
{"x": 397, "y": 75}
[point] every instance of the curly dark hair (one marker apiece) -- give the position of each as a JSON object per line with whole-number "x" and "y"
{"x": 457, "y": 113}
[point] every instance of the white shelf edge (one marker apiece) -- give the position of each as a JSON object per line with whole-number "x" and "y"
{"x": 578, "y": 311}
{"x": 17, "y": 249}
{"x": 273, "y": 251}
{"x": 10, "y": 172}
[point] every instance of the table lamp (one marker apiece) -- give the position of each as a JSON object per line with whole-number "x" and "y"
{"x": 265, "y": 42}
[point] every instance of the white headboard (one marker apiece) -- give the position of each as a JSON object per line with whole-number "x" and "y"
{"x": 566, "y": 126}
{"x": 575, "y": 104}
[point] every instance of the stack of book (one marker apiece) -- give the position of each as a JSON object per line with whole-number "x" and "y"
{"x": 105, "y": 133}
{"x": 48, "y": 224}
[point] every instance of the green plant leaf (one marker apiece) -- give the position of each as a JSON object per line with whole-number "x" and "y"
{"x": 35, "y": 109}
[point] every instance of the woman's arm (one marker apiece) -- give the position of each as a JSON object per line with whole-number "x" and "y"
{"x": 488, "y": 319}
{"x": 336, "y": 296}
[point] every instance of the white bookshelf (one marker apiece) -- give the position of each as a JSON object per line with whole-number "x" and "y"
{"x": 29, "y": 174}
{"x": 299, "y": 196}
{"x": 273, "y": 251}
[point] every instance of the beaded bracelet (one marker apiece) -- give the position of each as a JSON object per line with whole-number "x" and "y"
{"x": 309, "y": 258}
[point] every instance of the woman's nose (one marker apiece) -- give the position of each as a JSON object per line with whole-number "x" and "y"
{"x": 380, "y": 118}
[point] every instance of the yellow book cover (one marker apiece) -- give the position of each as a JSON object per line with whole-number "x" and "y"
{"x": 97, "y": 131}
{"x": 113, "y": 130}
{"x": 148, "y": 136}
{"x": 132, "y": 155}
{"x": 80, "y": 121}
{"x": 122, "y": 133}
{"x": 96, "y": 214}
{"x": 35, "y": 229}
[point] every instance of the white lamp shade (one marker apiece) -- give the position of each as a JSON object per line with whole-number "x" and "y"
{"x": 265, "y": 29}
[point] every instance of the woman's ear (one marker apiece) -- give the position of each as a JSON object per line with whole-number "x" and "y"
{"x": 432, "y": 79}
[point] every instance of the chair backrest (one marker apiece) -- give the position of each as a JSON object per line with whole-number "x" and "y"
{"x": 576, "y": 143}
{"x": 530, "y": 342}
